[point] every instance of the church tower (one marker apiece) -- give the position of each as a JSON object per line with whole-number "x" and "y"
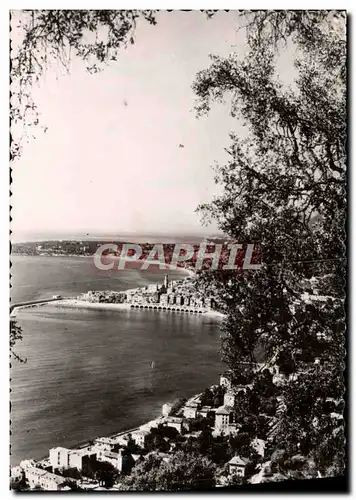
{"x": 165, "y": 282}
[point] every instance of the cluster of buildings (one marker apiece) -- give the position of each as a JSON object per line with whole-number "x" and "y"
{"x": 223, "y": 416}
{"x": 171, "y": 295}
{"x": 39, "y": 477}
{"x": 48, "y": 474}
{"x": 179, "y": 295}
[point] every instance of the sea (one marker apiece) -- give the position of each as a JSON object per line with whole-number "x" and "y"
{"x": 91, "y": 373}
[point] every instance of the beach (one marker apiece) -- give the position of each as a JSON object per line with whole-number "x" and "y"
{"x": 79, "y": 303}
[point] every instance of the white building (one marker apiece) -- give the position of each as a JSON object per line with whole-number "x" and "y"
{"x": 26, "y": 464}
{"x": 163, "y": 300}
{"x": 190, "y": 410}
{"x": 166, "y": 409}
{"x": 16, "y": 473}
{"x": 206, "y": 411}
{"x": 59, "y": 457}
{"x": 122, "y": 439}
{"x": 67, "y": 459}
{"x": 237, "y": 465}
{"x": 114, "y": 459}
{"x": 229, "y": 398}
{"x": 187, "y": 301}
{"x": 225, "y": 380}
{"x": 122, "y": 461}
{"x": 104, "y": 443}
{"x": 175, "y": 422}
{"x": 140, "y": 437}
{"x": 224, "y": 420}
{"x": 45, "y": 480}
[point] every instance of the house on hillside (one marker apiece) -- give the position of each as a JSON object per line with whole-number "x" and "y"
{"x": 178, "y": 423}
{"x": 259, "y": 445}
{"x": 237, "y": 466}
{"x": 224, "y": 420}
{"x": 207, "y": 412}
{"x": 225, "y": 380}
{"x": 122, "y": 461}
{"x": 232, "y": 393}
{"x": 166, "y": 409}
{"x": 190, "y": 410}
{"x": 140, "y": 437}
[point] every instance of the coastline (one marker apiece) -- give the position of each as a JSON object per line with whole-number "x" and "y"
{"x": 78, "y": 303}
{"x": 84, "y": 304}
{"x": 115, "y": 435}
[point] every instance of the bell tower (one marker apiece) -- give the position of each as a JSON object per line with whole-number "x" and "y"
{"x": 165, "y": 282}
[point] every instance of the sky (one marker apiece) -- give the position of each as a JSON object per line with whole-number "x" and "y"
{"x": 110, "y": 159}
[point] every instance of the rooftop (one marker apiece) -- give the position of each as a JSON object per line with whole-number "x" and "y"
{"x": 224, "y": 410}
{"x": 106, "y": 440}
{"x": 111, "y": 454}
{"x": 239, "y": 461}
{"x": 84, "y": 451}
{"x": 59, "y": 448}
{"x": 192, "y": 404}
{"x": 177, "y": 420}
{"x": 207, "y": 408}
{"x": 141, "y": 432}
{"x": 43, "y": 473}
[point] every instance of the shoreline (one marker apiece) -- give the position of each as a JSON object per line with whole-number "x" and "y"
{"x": 89, "y": 442}
{"x": 75, "y": 303}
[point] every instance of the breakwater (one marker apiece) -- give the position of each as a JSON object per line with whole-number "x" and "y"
{"x": 31, "y": 303}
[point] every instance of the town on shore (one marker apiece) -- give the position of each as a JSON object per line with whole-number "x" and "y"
{"x": 171, "y": 295}
{"x": 203, "y": 436}
{"x": 178, "y": 295}
{"x": 106, "y": 463}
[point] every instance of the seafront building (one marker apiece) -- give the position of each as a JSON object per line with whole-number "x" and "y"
{"x": 82, "y": 460}
{"x": 46, "y": 480}
{"x": 123, "y": 462}
{"x": 140, "y": 437}
{"x": 118, "y": 452}
{"x": 176, "y": 296}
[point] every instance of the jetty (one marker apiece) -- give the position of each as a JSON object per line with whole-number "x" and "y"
{"x": 30, "y": 303}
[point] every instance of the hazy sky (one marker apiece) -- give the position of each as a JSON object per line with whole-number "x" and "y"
{"x": 103, "y": 166}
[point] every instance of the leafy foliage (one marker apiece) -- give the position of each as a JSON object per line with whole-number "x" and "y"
{"x": 213, "y": 396}
{"x": 15, "y": 336}
{"x": 106, "y": 474}
{"x": 180, "y": 472}
{"x": 284, "y": 186}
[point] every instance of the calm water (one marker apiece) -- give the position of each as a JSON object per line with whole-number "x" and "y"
{"x": 42, "y": 277}
{"x": 89, "y": 372}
